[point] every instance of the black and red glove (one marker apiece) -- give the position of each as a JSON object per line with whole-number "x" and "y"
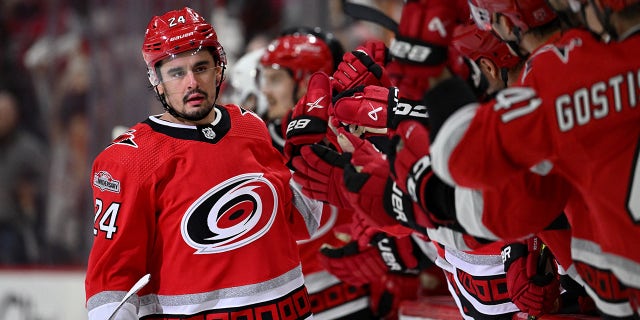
{"x": 532, "y": 279}
{"x": 375, "y": 107}
{"x": 411, "y": 170}
{"x": 352, "y": 264}
{"x": 370, "y": 252}
{"x": 320, "y": 171}
{"x": 420, "y": 48}
{"x": 363, "y": 66}
{"x": 308, "y": 123}
{"x": 366, "y": 106}
{"x": 366, "y": 178}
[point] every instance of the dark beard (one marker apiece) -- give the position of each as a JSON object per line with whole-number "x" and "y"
{"x": 198, "y": 115}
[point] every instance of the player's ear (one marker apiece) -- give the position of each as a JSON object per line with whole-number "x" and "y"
{"x": 489, "y": 68}
{"x": 160, "y": 88}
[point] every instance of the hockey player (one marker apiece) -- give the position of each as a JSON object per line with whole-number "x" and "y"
{"x": 562, "y": 128}
{"x": 243, "y": 87}
{"x": 196, "y": 197}
{"x": 286, "y": 70}
{"x": 287, "y": 64}
{"x": 466, "y": 267}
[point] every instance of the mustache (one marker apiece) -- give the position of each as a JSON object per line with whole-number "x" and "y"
{"x": 198, "y": 91}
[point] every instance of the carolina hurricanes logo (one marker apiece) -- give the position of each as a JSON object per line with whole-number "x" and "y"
{"x": 230, "y": 215}
{"x": 126, "y": 139}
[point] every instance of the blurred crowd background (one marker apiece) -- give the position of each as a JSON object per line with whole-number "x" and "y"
{"x": 72, "y": 76}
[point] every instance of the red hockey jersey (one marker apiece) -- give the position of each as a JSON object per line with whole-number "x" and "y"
{"x": 207, "y": 211}
{"x": 576, "y": 113}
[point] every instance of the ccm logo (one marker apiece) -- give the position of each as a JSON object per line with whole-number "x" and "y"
{"x": 298, "y": 124}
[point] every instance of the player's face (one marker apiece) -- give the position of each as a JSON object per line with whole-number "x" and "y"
{"x": 500, "y": 27}
{"x": 189, "y": 85}
{"x": 277, "y": 86}
{"x": 591, "y": 17}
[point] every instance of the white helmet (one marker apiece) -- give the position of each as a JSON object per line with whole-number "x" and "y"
{"x": 244, "y": 82}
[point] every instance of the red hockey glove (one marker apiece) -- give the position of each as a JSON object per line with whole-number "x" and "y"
{"x": 391, "y": 289}
{"x": 375, "y": 107}
{"x": 320, "y": 170}
{"x": 420, "y": 49}
{"x": 398, "y": 253}
{"x": 363, "y": 66}
{"x": 532, "y": 283}
{"x": 352, "y": 264}
{"x": 308, "y": 122}
{"x": 366, "y": 179}
{"x": 410, "y": 161}
{"x": 366, "y": 106}
{"x": 411, "y": 170}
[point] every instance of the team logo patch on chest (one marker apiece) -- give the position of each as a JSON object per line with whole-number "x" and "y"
{"x": 231, "y": 215}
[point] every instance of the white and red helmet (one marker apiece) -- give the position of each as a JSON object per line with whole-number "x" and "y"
{"x": 176, "y": 32}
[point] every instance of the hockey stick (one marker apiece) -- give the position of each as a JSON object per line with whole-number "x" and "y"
{"x": 136, "y": 287}
{"x": 365, "y": 13}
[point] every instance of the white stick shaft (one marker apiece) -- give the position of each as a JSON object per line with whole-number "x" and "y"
{"x": 136, "y": 287}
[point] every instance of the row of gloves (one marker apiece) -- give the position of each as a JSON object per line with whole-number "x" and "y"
{"x": 360, "y": 140}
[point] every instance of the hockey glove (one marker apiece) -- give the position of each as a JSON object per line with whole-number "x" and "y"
{"x": 411, "y": 170}
{"x": 308, "y": 122}
{"x": 363, "y": 66}
{"x": 352, "y": 264}
{"x": 398, "y": 253}
{"x": 366, "y": 179}
{"x": 420, "y": 48}
{"x": 376, "y": 107}
{"x": 320, "y": 170}
{"x": 533, "y": 285}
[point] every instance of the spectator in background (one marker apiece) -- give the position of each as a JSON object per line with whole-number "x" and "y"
{"x": 23, "y": 175}
{"x": 69, "y": 198}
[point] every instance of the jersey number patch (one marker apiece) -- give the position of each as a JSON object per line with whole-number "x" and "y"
{"x": 519, "y": 101}
{"x": 107, "y": 218}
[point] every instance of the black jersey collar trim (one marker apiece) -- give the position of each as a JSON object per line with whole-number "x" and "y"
{"x": 211, "y": 133}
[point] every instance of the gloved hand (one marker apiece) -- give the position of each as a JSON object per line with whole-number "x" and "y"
{"x": 411, "y": 171}
{"x": 409, "y": 159}
{"x": 352, "y": 264}
{"x": 420, "y": 49}
{"x": 363, "y": 66}
{"x": 531, "y": 280}
{"x": 320, "y": 170}
{"x": 308, "y": 122}
{"x": 366, "y": 179}
{"x": 365, "y": 106}
{"x": 375, "y": 107}
{"x": 370, "y": 253}
{"x": 400, "y": 254}
{"x": 391, "y": 289}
